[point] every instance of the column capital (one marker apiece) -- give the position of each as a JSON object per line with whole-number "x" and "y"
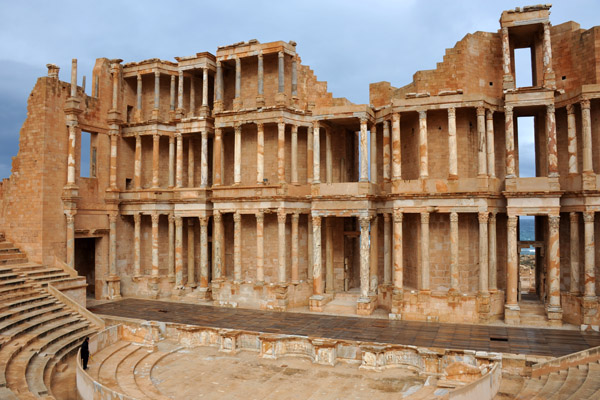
{"x": 570, "y": 109}
{"x": 237, "y": 217}
{"x": 204, "y": 134}
{"x": 512, "y": 221}
{"x": 281, "y": 216}
{"x": 280, "y": 54}
{"x": 481, "y": 111}
{"x": 508, "y": 110}
{"x": 217, "y": 216}
{"x": 452, "y": 112}
{"x": 294, "y": 128}
{"x": 550, "y": 108}
{"x": 585, "y": 104}
{"x": 316, "y": 220}
{"x": 155, "y": 216}
{"x": 178, "y": 221}
{"x": 112, "y": 218}
{"x": 280, "y": 122}
{"x": 387, "y": 217}
{"x": 156, "y": 136}
{"x": 493, "y": 217}
{"x": 505, "y": 30}
{"x": 364, "y": 222}
{"x": 218, "y": 132}
{"x": 425, "y": 218}
{"x": 573, "y": 216}
{"x": 554, "y": 221}
{"x": 157, "y": 74}
{"x": 453, "y": 216}
{"x": 395, "y": 117}
{"x": 363, "y": 121}
{"x": 588, "y": 216}
{"x": 316, "y": 124}
{"x": 260, "y": 216}
{"x": 139, "y": 76}
{"x": 70, "y": 217}
{"x": 113, "y": 133}
{"x": 171, "y": 218}
{"x": 203, "y": 219}
{"x": 483, "y": 217}
{"x": 398, "y": 216}
{"x": 237, "y": 127}
{"x": 178, "y": 135}
{"x": 260, "y": 126}
{"x": 489, "y": 114}
{"x": 295, "y": 217}
{"x": 423, "y": 114}
{"x": 137, "y": 217}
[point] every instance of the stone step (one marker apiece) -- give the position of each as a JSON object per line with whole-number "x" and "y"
{"x": 101, "y": 356}
{"x": 12, "y": 256}
{"x": 13, "y": 282}
{"x": 26, "y": 308}
{"x": 107, "y": 375}
{"x": 532, "y": 387}
{"x": 32, "y": 272}
{"x": 591, "y": 383}
{"x": 32, "y": 298}
{"x": 8, "y": 249}
{"x": 59, "y": 276}
{"x": 125, "y": 373}
{"x": 575, "y": 378}
{"x": 143, "y": 373}
{"x": 7, "y": 275}
{"x": 552, "y": 385}
{"x": 33, "y": 324}
{"x": 21, "y": 293}
{"x": 9, "y": 323}
{"x": 13, "y": 261}
{"x": 6, "y": 245}
{"x": 7, "y": 394}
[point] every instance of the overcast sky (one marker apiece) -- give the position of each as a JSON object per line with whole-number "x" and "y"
{"x": 347, "y": 43}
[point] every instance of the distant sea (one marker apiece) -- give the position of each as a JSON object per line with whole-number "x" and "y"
{"x": 527, "y": 232}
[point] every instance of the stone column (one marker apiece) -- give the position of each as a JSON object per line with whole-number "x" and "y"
{"x": 205, "y": 88}
{"x": 237, "y": 247}
{"x": 364, "y": 165}
{"x": 454, "y": 274}
{"x": 156, "y": 109}
{"x": 191, "y": 161}
{"x": 483, "y": 252}
{"x": 137, "y": 268}
{"x": 554, "y": 261}
{"x": 328, "y": 157}
{"x": 398, "y": 249}
{"x": 179, "y": 167}
{"x": 280, "y": 73}
{"x": 191, "y": 259}
{"x": 316, "y": 154}
{"x": 219, "y": 88}
{"x": 155, "y": 159}
{"x": 113, "y": 159}
{"x": 491, "y": 155}
{"x": 180, "y": 95}
{"x": 70, "y": 215}
{"x": 512, "y": 266}
{"x": 74, "y": 78}
{"x": 510, "y": 141}
{"x": 374, "y": 153}
{"x": 260, "y": 153}
{"x": 309, "y": 242}
{"x": 112, "y": 245}
{"x": 218, "y": 245}
{"x": 217, "y": 150}
{"x": 551, "y": 137}
{"x": 137, "y": 166}
{"x": 424, "y": 251}
{"x": 481, "y": 147}
{"x": 204, "y": 160}
{"x": 203, "y": 252}
{"x": 329, "y": 255}
{"x": 281, "y": 217}
{"x": 260, "y": 249}
{"x": 295, "y": 274}
{"x": 178, "y": 252}
{"x": 171, "y": 162}
{"x": 508, "y": 80}
{"x": 364, "y": 257}
{"x": 572, "y": 139}
{"x": 574, "y": 250}
{"x": 586, "y": 124}
{"x": 115, "y": 70}
{"x": 374, "y": 254}
{"x": 547, "y": 59}
{"x": 590, "y": 263}
{"x": 71, "y": 154}
{"x": 316, "y": 259}
{"x": 396, "y": 148}
{"x": 237, "y": 101}
{"x": 452, "y": 145}
{"x": 172, "y": 94}
{"x": 139, "y": 93}
{"x": 294, "y": 78}
{"x": 387, "y": 151}
{"x": 155, "y": 217}
{"x": 387, "y": 251}
{"x": 309, "y": 155}
{"x": 281, "y": 151}
{"x": 260, "y": 98}
{"x": 493, "y": 279}
{"x": 295, "y": 154}
{"x": 171, "y": 263}
{"x": 192, "y": 95}
{"x": 423, "y": 152}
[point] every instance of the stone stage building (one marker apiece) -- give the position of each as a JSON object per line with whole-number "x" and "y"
{"x": 237, "y": 178}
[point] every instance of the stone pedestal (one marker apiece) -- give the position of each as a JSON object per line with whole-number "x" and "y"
{"x": 281, "y": 99}
{"x": 512, "y": 314}
{"x": 153, "y": 287}
{"x": 113, "y": 283}
{"x": 229, "y": 341}
{"x": 366, "y": 305}
{"x": 218, "y": 106}
{"x": 260, "y": 101}
{"x": 237, "y": 104}
{"x": 397, "y": 301}
{"x": 589, "y": 310}
{"x": 588, "y": 181}
{"x": 483, "y": 306}
{"x": 554, "y": 316}
{"x": 281, "y": 298}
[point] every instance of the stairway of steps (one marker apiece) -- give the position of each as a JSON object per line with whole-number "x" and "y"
{"x": 37, "y": 331}
{"x": 533, "y": 313}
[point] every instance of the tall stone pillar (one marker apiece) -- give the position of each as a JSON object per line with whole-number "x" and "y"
{"x": 328, "y": 157}
{"x": 552, "y": 146}
{"x": 294, "y": 78}
{"x": 192, "y": 95}
{"x": 205, "y": 90}
{"x": 364, "y": 257}
{"x": 137, "y": 166}
{"x": 508, "y": 79}
{"x": 295, "y": 274}
{"x": 572, "y": 139}
{"x": 178, "y": 252}
{"x": 590, "y": 263}
{"x": 237, "y": 247}
{"x": 74, "y": 78}
{"x": 574, "y": 254}
{"x": 71, "y": 154}
{"x": 260, "y": 96}
{"x": 387, "y": 152}
{"x": 139, "y": 94}
{"x": 511, "y": 312}
{"x": 191, "y": 161}
{"x": 260, "y": 247}
{"x": 397, "y": 294}
{"x": 423, "y": 152}
{"x": 281, "y": 78}
{"x": 364, "y": 165}
{"x": 510, "y": 141}
{"x": 396, "y": 148}
{"x": 204, "y": 160}
{"x": 425, "y": 251}
{"x": 171, "y": 262}
{"x": 155, "y": 218}
{"x": 203, "y": 253}
{"x": 549, "y": 78}
{"x": 115, "y": 69}
{"x": 481, "y": 147}
{"x": 374, "y": 153}
{"x": 137, "y": 269}
{"x": 483, "y": 252}
{"x": 295, "y": 154}
{"x": 316, "y": 262}
{"x": 155, "y": 159}
{"x": 113, "y": 280}
{"x": 260, "y": 153}
{"x": 191, "y": 258}
{"x": 156, "y": 109}
{"x": 179, "y": 161}
{"x": 309, "y": 155}
{"x": 316, "y": 153}
{"x": 180, "y": 96}
{"x": 454, "y": 274}
{"x": 374, "y": 254}
{"x": 281, "y": 151}
{"x": 309, "y": 243}
{"x": 237, "y": 101}
{"x": 329, "y": 255}
{"x": 493, "y": 264}
{"x": 171, "y": 162}
{"x": 172, "y": 94}
{"x": 452, "y": 145}
{"x": 113, "y": 134}
{"x": 70, "y": 215}
{"x": 554, "y": 310}
{"x": 387, "y": 251}
{"x": 281, "y": 254}
{"x": 217, "y": 160}
{"x": 491, "y": 155}
{"x": 218, "y": 245}
{"x": 218, "y": 106}
{"x": 586, "y": 125}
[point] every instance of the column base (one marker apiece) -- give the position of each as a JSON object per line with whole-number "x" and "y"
{"x": 397, "y": 303}
{"x": 483, "y": 306}
{"x": 589, "y": 310}
{"x": 588, "y": 180}
{"x": 180, "y": 113}
{"x": 218, "y": 106}
{"x": 260, "y": 101}
{"x": 366, "y": 305}
{"x": 508, "y": 82}
{"x": 203, "y": 293}
{"x": 114, "y": 287}
{"x": 204, "y": 112}
{"x": 512, "y": 314}
{"x": 237, "y": 104}
{"x": 281, "y": 99}
{"x": 554, "y": 315}
{"x": 316, "y": 303}
{"x": 155, "y": 114}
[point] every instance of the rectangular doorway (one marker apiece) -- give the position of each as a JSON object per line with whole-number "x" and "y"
{"x": 85, "y": 262}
